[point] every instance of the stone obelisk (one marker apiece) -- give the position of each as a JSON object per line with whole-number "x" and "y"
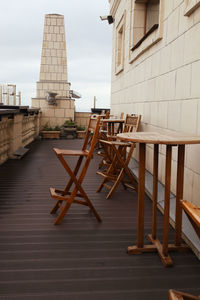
{"x": 53, "y": 88}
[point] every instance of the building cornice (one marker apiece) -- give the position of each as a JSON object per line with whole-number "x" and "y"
{"x": 114, "y": 6}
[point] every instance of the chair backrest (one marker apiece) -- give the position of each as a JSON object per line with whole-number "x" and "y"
{"x": 107, "y": 115}
{"x": 104, "y": 116}
{"x": 92, "y": 133}
{"x": 132, "y": 123}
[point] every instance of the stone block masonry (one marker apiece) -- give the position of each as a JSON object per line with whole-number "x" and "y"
{"x": 53, "y": 74}
{"x": 160, "y": 79}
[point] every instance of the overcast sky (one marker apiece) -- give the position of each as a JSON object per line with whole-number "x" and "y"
{"x": 88, "y": 41}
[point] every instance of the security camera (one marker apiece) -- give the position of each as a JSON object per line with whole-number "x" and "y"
{"x": 108, "y": 18}
{"x": 103, "y": 18}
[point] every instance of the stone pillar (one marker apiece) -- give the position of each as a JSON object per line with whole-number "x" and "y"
{"x": 53, "y": 74}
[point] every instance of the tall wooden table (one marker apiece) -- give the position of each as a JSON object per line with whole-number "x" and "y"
{"x": 111, "y": 125}
{"x": 170, "y": 140}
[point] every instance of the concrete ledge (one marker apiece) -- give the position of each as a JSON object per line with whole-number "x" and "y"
{"x": 188, "y": 233}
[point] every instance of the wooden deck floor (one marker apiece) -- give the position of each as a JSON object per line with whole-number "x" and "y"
{"x": 79, "y": 259}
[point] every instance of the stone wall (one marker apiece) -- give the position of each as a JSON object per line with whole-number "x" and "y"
{"x": 160, "y": 78}
{"x": 17, "y": 129}
{"x": 82, "y": 118}
{"x": 55, "y": 115}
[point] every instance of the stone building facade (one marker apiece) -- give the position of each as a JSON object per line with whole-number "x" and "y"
{"x": 53, "y": 74}
{"x": 155, "y": 73}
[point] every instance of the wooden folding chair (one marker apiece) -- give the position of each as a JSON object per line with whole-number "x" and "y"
{"x": 118, "y": 155}
{"x": 65, "y": 197}
{"x": 176, "y": 295}
{"x": 103, "y": 128}
{"x": 102, "y": 135}
{"x": 132, "y": 123}
{"x": 119, "y": 126}
{"x": 193, "y": 213}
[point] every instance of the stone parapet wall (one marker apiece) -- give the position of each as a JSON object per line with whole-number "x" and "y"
{"x": 30, "y": 129}
{"x": 17, "y": 130}
{"x": 82, "y": 118}
{"x": 5, "y": 128}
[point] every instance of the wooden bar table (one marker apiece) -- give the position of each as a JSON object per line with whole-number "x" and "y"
{"x": 111, "y": 125}
{"x": 170, "y": 140}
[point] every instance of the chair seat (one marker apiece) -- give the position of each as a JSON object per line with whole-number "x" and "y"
{"x": 71, "y": 152}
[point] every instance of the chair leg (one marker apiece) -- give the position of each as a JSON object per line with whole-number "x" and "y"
{"x": 119, "y": 161}
{"x": 101, "y": 186}
{"x": 76, "y": 169}
{"x": 68, "y": 185}
{"x": 62, "y": 213}
{"x": 115, "y": 185}
{"x": 56, "y": 207}
{"x": 69, "y": 202}
{"x": 78, "y": 188}
{"x": 108, "y": 173}
{"x": 92, "y": 208}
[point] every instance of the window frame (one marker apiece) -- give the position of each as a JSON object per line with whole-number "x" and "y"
{"x": 191, "y": 6}
{"x": 150, "y": 39}
{"x": 120, "y": 32}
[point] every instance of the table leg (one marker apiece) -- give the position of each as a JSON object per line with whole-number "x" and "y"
{"x": 155, "y": 190}
{"x": 141, "y": 194}
{"x": 156, "y": 245}
{"x": 140, "y": 247}
{"x": 112, "y": 129}
{"x": 121, "y": 127}
{"x": 109, "y": 129}
{"x": 179, "y": 194}
{"x": 167, "y": 200}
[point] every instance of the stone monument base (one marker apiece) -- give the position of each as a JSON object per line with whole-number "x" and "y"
{"x": 54, "y": 114}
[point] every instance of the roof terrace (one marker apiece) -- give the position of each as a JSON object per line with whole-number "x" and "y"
{"x": 80, "y": 258}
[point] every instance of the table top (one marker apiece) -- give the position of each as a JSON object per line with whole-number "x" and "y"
{"x": 113, "y": 120}
{"x": 160, "y": 138}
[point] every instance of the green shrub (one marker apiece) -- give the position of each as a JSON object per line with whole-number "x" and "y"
{"x": 80, "y": 128}
{"x": 49, "y": 128}
{"x": 69, "y": 123}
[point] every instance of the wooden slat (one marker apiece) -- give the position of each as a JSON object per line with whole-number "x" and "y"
{"x": 81, "y": 258}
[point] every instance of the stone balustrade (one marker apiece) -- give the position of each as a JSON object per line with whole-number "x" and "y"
{"x": 18, "y": 127}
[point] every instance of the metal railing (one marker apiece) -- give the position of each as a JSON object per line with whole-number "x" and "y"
{"x": 8, "y": 95}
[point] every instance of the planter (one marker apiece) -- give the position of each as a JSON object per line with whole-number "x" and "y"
{"x": 50, "y": 134}
{"x": 81, "y": 134}
{"x": 69, "y": 132}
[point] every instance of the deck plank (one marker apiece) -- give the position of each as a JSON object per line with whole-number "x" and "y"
{"x": 80, "y": 258}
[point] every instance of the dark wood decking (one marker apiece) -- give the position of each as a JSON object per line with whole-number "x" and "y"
{"x": 80, "y": 258}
